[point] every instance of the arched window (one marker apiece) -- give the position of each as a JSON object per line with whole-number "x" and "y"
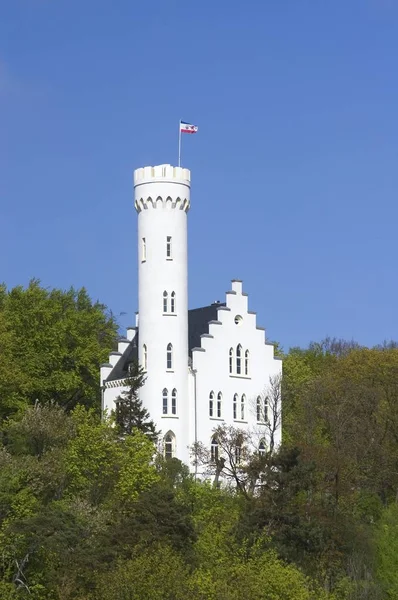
{"x": 143, "y": 250}
{"x": 238, "y": 359}
{"x": 242, "y": 407}
{"x": 165, "y": 302}
{"x": 231, "y": 360}
{"x": 211, "y": 404}
{"x": 169, "y": 445}
{"x": 168, "y": 247}
{"x": 144, "y": 357}
{"x": 262, "y": 448}
{"x": 235, "y": 407}
{"x": 258, "y": 409}
{"x": 174, "y": 402}
{"x": 165, "y": 395}
{"x": 214, "y": 449}
{"x": 173, "y": 302}
{"x": 219, "y": 404}
{"x": 247, "y": 362}
{"x": 169, "y": 357}
{"x": 265, "y": 410}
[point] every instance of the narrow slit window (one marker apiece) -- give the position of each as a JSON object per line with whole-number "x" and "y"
{"x": 247, "y": 362}
{"x": 242, "y": 407}
{"x": 214, "y": 450}
{"x": 239, "y": 359}
{"x": 165, "y": 394}
{"x": 169, "y": 247}
{"x": 173, "y": 302}
{"x": 174, "y": 402}
{"x": 169, "y": 357}
{"x": 231, "y": 360}
{"x": 165, "y": 301}
{"x": 219, "y": 405}
{"x": 211, "y": 404}
{"x": 235, "y": 407}
{"x": 143, "y": 249}
{"x": 145, "y": 357}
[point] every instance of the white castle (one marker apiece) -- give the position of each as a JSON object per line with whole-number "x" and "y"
{"x": 204, "y": 367}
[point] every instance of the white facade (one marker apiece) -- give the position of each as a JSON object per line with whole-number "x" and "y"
{"x": 205, "y": 367}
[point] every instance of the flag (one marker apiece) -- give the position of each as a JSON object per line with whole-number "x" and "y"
{"x": 187, "y": 127}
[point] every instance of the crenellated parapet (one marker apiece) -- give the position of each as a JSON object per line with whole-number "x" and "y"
{"x": 162, "y": 203}
{"x": 162, "y": 187}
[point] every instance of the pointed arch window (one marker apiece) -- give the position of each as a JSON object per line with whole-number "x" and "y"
{"x": 219, "y": 405}
{"x": 174, "y": 402}
{"x": 235, "y": 407}
{"x": 143, "y": 250}
{"x": 238, "y": 359}
{"x": 247, "y": 356}
{"x": 169, "y": 357}
{"x": 211, "y": 404}
{"x": 238, "y": 454}
{"x": 165, "y": 302}
{"x": 265, "y": 410}
{"x": 169, "y": 445}
{"x": 243, "y": 407}
{"x": 169, "y": 247}
{"x": 173, "y": 302}
{"x": 144, "y": 357}
{"x": 165, "y": 397}
{"x": 214, "y": 450}
{"x": 262, "y": 448}
{"x": 258, "y": 409}
{"x": 231, "y": 360}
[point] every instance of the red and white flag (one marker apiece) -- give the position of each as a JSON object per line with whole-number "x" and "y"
{"x": 188, "y": 127}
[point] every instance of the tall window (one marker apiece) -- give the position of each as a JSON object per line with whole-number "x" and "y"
{"x": 165, "y": 396}
{"x": 219, "y": 403}
{"x": 144, "y": 357}
{"x": 231, "y": 360}
{"x": 235, "y": 407}
{"x": 239, "y": 359}
{"x": 168, "y": 247}
{"x": 169, "y": 441}
{"x": 258, "y": 409}
{"x": 165, "y": 301}
{"x": 265, "y": 409}
{"x": 242, "y": 407}
{"x": 211, "y": 404}
{"x": 214, "y": 449}
{"x": 143, "y": 249}
{"x": 174, "y": 402}
{"x": 262, "y": 448}
{"x": 169, "y": 357}
{"x": 238, "y": 454}
{"x": 173, "y": 302}
{"x": 247, "y": 362}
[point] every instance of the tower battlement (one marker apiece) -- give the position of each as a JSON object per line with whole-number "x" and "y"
{"x": 160, "y": 173}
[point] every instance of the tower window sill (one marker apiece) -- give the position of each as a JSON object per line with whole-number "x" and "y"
{"x": 169, "y": 370}
{"x": 169, "y": 416}
{"x": 239, "y": 421}
{"x": 169, "y": 258}
{"x": 216, "y": 419}
{"x": 235, "y": 376}
{"x": 169, "y": 314}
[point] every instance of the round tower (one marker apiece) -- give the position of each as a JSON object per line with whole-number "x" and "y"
{"x": 162, "y": 200}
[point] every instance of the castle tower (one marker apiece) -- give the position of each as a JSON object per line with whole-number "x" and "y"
{"x": 162, "y": 200}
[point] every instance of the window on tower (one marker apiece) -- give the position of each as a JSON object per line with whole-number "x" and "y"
{"x": 214, "y": 450}
{"x": 173, "y": 302}
{"x": 235, "y": 407}
{"x": 174, "y": 402}
{"x": 143, "y": 250}
{"x": 169, "y": 445}
{"x": 165, "y": 396}
{"x": 165, "y": 302}
{"x": 169, "y": 357}
{"x": 242, "y": 407}
{"x": 169, "y": 248}
{"x": 231, "y": 360}
{"x": 211, "y": 404}
{"x": 247, "y": 362}
{"x": 144, "y": 357}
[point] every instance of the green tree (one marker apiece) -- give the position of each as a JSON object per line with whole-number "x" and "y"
{"x": 130, "y": 414}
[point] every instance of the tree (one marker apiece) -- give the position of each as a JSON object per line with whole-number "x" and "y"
{"x": 52, "y": 343}
{"x": 130, "y": 414}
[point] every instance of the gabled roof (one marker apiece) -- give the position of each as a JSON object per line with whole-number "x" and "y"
{"x": 120, "y": 370}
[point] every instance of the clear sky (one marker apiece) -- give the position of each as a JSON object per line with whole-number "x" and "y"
{"x": 294, "y": 168}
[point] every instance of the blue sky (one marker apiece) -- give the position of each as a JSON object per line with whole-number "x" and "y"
{"x": 294, "y": 167}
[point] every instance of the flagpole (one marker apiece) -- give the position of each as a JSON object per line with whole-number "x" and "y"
{"x": 179, "y": 144}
